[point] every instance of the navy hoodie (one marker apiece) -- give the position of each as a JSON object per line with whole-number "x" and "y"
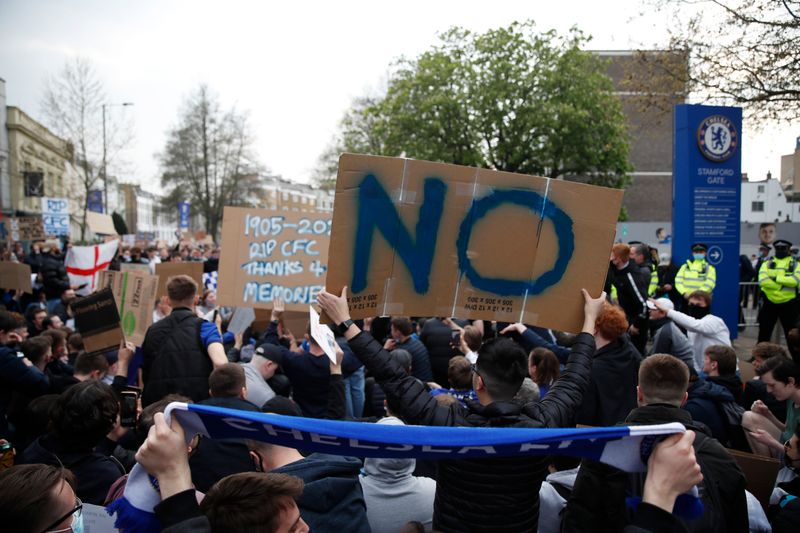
{"x": 702, "y": 404}
{"x": 332, "y": 500}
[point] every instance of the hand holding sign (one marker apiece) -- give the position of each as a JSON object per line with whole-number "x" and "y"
{"x": 323, "y": 336}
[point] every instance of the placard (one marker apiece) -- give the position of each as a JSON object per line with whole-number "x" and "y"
{"x": 417, "y": 238}
{"x": 15, "y": 276}
{"x": 55, "y": 216}
{"x": 100, "y": 224}
{"x": 272, "y": 254}
{"x": 322, "y": 335}
{"x": 134, "y": 267}
{"x": 97, "y": 318}
{"x": 165, "y": 271}
{"x": 135, "y": 295}
{"x": 26, "y": 229}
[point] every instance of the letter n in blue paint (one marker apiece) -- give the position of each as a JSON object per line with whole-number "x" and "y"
{"x": 376, "y": 210}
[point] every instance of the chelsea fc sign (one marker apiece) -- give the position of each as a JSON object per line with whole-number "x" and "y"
{"x": 717, "y": 138}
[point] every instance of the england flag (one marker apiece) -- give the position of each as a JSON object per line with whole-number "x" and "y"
{"x": 84, "y": 264}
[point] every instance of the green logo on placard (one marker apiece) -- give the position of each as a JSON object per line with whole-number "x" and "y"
{"x": 128, "y": 323}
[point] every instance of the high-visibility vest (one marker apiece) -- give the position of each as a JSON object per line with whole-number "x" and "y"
{"x": 696, "y": 275}
{"x": 779, "y": 278}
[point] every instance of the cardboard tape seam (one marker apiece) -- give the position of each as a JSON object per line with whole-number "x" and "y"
{"x": 459, "y": 274}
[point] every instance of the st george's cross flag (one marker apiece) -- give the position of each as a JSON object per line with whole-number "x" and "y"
{"x": 84, "y": 264}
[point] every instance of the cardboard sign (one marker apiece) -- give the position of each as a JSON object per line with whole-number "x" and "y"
{"x": 134, "y": 267}
{"x": 272, "y": 254}
{"x": 241, "y": 319}
{"x": 26, "y": 229}
{"x": 15, "y": 276}
{"x": 322, "y": 335}
{"x": 96, "y": 519}
{"x": 417, "y": 238}
{"x": 55, "y": 216}
{"x": 100, "y": 223}
{"x": 165, "y": 271}
{"x": 97, "y": 318}
{"x": 135, "y": 295}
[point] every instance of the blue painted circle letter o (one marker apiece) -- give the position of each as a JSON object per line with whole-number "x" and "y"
{"x": 536, "y": 203}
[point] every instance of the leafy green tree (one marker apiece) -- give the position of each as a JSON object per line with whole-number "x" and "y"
{"x": 209, "y": 160}
{"x": 509, "y": 99}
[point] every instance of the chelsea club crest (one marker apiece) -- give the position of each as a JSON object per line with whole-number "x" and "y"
{"x": 717, "y": 138}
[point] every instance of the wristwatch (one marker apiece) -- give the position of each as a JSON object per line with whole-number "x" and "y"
{"x": 344, "y": 326}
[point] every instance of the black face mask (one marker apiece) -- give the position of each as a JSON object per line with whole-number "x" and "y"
{"x": 780, "y": 253}
{"x": 695, "y": 311}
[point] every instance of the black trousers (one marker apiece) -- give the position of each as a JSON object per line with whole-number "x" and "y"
{"x": 770, "y": 313}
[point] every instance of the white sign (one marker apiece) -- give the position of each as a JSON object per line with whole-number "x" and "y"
{"x": 323, "y": 336}
{"x": 96, "y": 519}
{"x": 242, "y": 317}
{"x": 55, "y": 215}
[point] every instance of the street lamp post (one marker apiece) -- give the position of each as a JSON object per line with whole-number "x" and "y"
{"x": 105, "y": 175}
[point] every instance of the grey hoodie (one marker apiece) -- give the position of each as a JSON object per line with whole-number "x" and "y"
{"x": 394, "y": 496}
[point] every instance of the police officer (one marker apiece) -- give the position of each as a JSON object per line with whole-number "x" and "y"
{"x": 778, "y": 279}
{"x": 696, "y": 274}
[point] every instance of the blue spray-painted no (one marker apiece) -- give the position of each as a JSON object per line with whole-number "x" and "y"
{"x": 536, "y": 203}
{"x": 375, "y": 209}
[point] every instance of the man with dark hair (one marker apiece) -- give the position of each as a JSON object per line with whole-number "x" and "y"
{"x": 720, "y": 367}
{"x": 181, "y": 350}
{"x": 53, "y": 273}
{"x": 598, "y": 499}
{"x": 640, "y": 253}
{"x": 36, "y": 318}
{"x": 79, "y": 420}
{"x": 17, "y": 374}
{"x": 468, "y": 491}
{"x": 401, "y": 331}
{"x": 668, "y": 338}
{"x": 91, "y": 366}
{"x": 227, "y": 387}
{"x": 38, "y": 351}
{"x": 39, "y": 498}
{"x": 755, "y": 388}
{"x": 766, "y": 433}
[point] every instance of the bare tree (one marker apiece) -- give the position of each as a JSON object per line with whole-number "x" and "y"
{"x": 741, "y": 52}
{"x": 72, "y": 107}
{"x": 209, "y": 159}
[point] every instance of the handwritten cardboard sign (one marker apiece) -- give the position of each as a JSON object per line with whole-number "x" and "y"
{"x": 97, "y": 318}
{"x": 165, "y": 271}
{"x": 429, "y": 239}
{"x": 322, "y": 335}
{"x": 272, "y": 254}
{"x": 26, "y": 229}
{"x": 135, "y": 295}
{"x": 15, "y": 276}
{"x": 55, "y": 215}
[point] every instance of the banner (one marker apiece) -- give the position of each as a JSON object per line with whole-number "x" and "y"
{"x": 97, "y": 319}
{"x": 183, "y": 212}
{"x": 135, "y": 295}
{"x": 84, "y": 264}
{"x": 100, "y": 224}
{"x": 625, "y": 447}
{"x": 94, "y": 201}
{"x": 165, "y": 271}
{"x": 417, "y": 238}
{"x": 269, "y": 255}
{"x": 15, "y": 276}
{"x": 55, "y": 215}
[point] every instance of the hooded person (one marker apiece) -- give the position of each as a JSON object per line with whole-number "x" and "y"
{"x": 392, "y": 494}
{"x": 667, "y": 337}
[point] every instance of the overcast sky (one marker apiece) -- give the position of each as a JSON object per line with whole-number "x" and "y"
{"x": 295, "y": 66}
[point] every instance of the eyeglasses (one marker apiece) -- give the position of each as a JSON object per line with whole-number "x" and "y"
{"x": 75, "y": 513}
{"x": 474, "y": 368}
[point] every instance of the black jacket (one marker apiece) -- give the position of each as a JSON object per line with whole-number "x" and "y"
{"x": 420, "y": 360}
{"x": 437, "y": 336}
{"x": 597, "y": 502}
{"x": 16, "y": 377}
{"x": 492, "y": 495}
{"x": 54, "y": 275}
{"x": 631, "y": 283}
{"x": 612, "y": 389}
{"x": 94, "y": 472}
{"x": 175, "y": 360}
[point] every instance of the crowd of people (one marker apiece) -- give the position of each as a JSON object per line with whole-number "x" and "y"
{"x": 73, "y": 424}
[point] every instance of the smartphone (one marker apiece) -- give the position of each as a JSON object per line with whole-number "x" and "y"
{"x": 455, "y": 338}
{"x": 128, "y": 408}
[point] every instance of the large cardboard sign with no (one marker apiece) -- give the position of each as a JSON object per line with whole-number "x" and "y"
{"x": 165, "y": 271}
{"x": 135, "y": 296}
{"x": 272, "y": 254}
{"x": 428, "y": 239}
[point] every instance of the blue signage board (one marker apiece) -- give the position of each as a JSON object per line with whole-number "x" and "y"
{"x": 706, "y": 196}
{"x": 183, "y": 210}
{"x": 94, "y": 202}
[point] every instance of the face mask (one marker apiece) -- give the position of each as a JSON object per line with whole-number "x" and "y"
{"x": 77, "y": 524}
{"x": 699, "y": 257}
{"x": 780, "y": 253}
{"x": 695, "y": 311}
{"x": 762, "y": 254}
{"x": 790, "y": 463}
